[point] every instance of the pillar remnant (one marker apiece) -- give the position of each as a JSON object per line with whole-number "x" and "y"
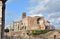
{"x": 24, "y": 15}
{"x": 2, "y": 18}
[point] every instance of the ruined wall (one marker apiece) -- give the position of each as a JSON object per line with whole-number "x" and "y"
{"x": 23, "y": 15}
{"x": 16, "y": 25}
{"x": 25, "y": 22}
{"x": 33, "y": 25}
{"x": 56, "y": 32}
{"x": 41, "y": 23}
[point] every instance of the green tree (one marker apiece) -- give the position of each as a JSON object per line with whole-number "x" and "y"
{"x": 6, "y": 30}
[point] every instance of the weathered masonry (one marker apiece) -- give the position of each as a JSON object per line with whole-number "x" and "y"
{"x": 2, "y": 18}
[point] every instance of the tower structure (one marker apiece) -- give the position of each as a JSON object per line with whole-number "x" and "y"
{"x": 2, "y": 18}
{"x": 24, "y": 15}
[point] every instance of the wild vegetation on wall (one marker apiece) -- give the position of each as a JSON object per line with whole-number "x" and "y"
{"x": 38, "y": 32}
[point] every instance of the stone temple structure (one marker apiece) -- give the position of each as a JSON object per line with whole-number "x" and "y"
{"x": 2, "y": 17}
{"x": 30, "y": 23}
{"x": 35, "y": 23}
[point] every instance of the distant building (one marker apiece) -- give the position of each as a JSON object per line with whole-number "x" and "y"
{"x": 15, "y": 26}
{"x": 24, "y": 15}
{"x": 31, "y": 23}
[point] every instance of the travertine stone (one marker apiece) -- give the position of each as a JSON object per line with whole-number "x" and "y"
{"x": 24, "y": 15}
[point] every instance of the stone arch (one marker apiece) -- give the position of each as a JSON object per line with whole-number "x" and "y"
{"x": 46, "y": 27}
{"x": 38, "y": 20}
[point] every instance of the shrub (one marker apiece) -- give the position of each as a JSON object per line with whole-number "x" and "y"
{"x": 38, "y": 32}
{"x": 7, "y": 30}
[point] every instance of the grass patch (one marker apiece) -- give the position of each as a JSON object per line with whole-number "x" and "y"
{"x": 38, "y": 32}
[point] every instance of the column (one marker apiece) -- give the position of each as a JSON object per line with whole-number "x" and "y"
{"x": 2, "y": 17}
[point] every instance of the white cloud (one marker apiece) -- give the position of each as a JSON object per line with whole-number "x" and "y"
{"x": 54, "y": 15}
{"x": 51, "y": 7}
{"x": 54, "y": 18}
{"x": 40, "y": 6}
{"x": 47, "y": 6}
{"x": 36, "y": 15}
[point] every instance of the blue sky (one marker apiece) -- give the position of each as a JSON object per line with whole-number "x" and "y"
{"x": 50, "y": 9}
{"x": 14, "y": 10}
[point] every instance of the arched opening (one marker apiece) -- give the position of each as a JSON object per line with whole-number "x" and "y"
{"x": 38, "y": 20}
{"x": 46, "y": 27}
